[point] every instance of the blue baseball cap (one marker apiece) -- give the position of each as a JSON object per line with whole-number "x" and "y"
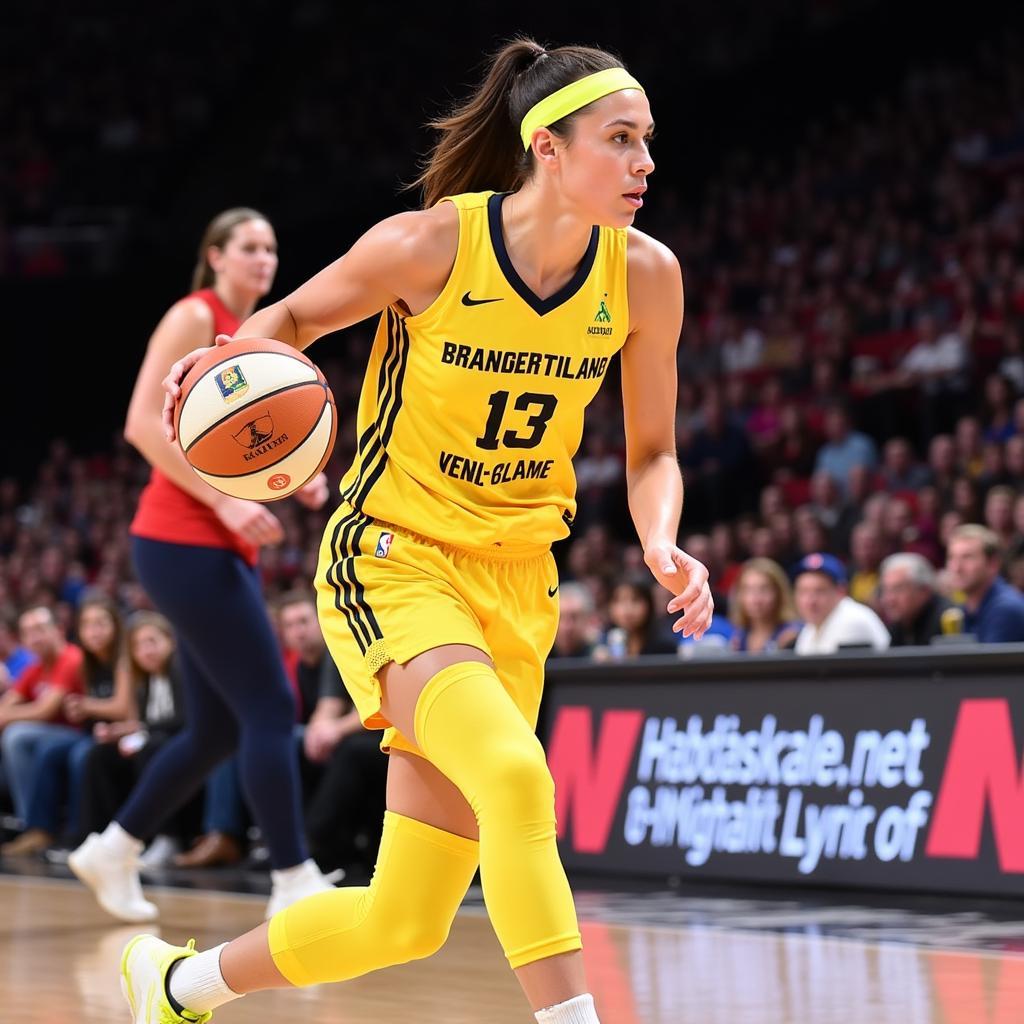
{"x": 827, "y": 565}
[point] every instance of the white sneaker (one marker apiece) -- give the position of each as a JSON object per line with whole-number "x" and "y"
{"x": 294, "y": 884}
{"x": 159, "y": 853}
{"x": 144, "y": 966}
{"x": 114, "y": 880}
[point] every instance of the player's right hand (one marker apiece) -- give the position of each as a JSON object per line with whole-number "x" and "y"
{"x": 250, "y": 520}
{"x": 172, "y": 382}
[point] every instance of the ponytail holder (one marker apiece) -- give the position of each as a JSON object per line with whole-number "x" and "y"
{"x": 573, "y": 97}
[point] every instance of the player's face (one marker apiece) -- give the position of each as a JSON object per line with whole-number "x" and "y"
{"x": 249, "y": 258}
{"x": 607, "y": 161}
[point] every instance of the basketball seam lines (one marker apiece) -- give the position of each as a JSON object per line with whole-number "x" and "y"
{"x": 269, "y": 394}
{"x": 270, "y": 465}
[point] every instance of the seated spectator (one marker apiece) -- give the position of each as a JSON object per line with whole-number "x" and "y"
{"x": 31, "y": 711}
{"x": 14, "y": 658}
{"x": 969, "y": 446}
{"x": 937, "y": 365}
{"x": 994, "y": 611}
{"x": 124, "y": 748}
{"x": 913, "y": 608}
{"x": 1013, "y": 460}
{"x": 577, "y": 630}
{"x": 631, "y": 617}
{"x": 718, "y": 464}
{"x": 999, "y": 514}
{"x": 761, "y": 609}
{"x": 942, "y": 466}
{"x": 60, "y": 759}
{"x": 844, "y": 447}
{"x": 867, "y": 549}
{"x": 832, "y": 620}
{"x": 900, "y": 471}
{"x": 999, "y": 399}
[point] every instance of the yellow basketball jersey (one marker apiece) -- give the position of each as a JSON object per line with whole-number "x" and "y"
{"x": 471, "y": 411}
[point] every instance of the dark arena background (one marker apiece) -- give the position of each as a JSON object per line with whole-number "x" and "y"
{"x": 791, "y": 820}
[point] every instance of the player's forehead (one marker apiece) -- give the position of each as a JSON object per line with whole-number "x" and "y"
{"x": 627, "y": 108}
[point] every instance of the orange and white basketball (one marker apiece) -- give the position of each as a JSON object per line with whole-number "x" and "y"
{"x": 256, "y": 419}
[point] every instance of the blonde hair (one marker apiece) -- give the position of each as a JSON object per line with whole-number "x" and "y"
{"x": 217, "y": 234}
{"x": 785, "y": 611}
{"x": 990, "y": 543}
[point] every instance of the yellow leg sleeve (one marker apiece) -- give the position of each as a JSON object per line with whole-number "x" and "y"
{"x": 404, "y": 914}
{"x": 470, "y": 729}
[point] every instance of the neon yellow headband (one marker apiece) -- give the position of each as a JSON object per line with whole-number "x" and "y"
{"x": 574, "y": 96}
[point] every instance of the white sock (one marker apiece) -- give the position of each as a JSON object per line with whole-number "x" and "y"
{"x": 578, "y": 1010}
{"x": 197, "y": 983}
{"x": 120, "y": 843}
{"x": 286, "y": 875}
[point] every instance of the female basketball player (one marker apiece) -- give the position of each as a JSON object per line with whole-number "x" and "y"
{"x": 195, "y": 550}
{"x": 436, "y": 583}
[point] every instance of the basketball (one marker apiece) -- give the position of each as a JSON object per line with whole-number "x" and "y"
{"x": 256, "y": 419}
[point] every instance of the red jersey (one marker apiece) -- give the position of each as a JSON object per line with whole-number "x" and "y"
{"x": 65, "y": 674}
{"x": 168, "y": 513}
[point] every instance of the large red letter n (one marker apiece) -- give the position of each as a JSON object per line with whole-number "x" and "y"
{"x": 588, "y": 785}
{"x": 983, "y": 767}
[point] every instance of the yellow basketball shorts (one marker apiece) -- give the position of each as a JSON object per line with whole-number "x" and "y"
{"x": 387, "y": 594}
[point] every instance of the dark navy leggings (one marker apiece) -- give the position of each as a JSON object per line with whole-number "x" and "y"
{"x": 237, "y": 696}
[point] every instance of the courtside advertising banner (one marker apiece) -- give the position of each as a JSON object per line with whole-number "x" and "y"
{"x": 889, "y": 781}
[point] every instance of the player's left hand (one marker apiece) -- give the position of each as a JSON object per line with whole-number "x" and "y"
{"x": 687, "y": 578}
{"x": 315, "y": 493}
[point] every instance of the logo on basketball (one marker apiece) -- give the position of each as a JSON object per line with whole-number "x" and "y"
{"x": 232, "y": 383}
{"x": 255, "y": 432}
{"x": 384, "y": 545}
{"x": 279, "y": 481}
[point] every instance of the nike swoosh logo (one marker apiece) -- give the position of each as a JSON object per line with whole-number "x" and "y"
{"x": 552, "y": 591}
{"x": 467, "y": 301}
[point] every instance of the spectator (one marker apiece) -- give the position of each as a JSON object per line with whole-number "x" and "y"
{"x": 900, "y": 471}
{"x": 14, "y": 658}
{"x": 867, "y": 550}
{"x": 844, "y": 447}
{"x": 937, "y": 364}
{"x": 832, "y": 620}
{"x": 31, "y": 710}
{"x": 913, "y": 608}
{"x": 60, "y": 758}
{"x": 124, "y": 748}
{"x": 994, "y": 611}
{"x": 762, "y": 608}
{"x": 576, "y": 635}
{"x": 942, "y": 465}
{"x": 631, "y": 616}
{"x": 999, "y": 514}
{"x": 719, "y": 462}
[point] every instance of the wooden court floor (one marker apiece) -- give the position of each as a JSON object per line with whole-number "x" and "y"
{"x": 59, "y": 954}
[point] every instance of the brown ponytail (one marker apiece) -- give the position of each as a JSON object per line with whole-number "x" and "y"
{"x": 480, "y": 147}
{"x": 217, "y": 234}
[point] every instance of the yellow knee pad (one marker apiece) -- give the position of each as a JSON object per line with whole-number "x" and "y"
{"x": 404, "y": 914}
{"x": 469, "y": 727}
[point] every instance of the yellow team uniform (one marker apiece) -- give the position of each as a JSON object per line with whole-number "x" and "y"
{"x": 469, "y": 417}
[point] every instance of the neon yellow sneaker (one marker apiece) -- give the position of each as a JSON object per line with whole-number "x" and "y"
{"x": 144, "y": 966}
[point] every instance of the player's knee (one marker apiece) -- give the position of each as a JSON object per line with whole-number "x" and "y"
{"x": 518, "y": 782}
{"x": 417, "y": 937}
